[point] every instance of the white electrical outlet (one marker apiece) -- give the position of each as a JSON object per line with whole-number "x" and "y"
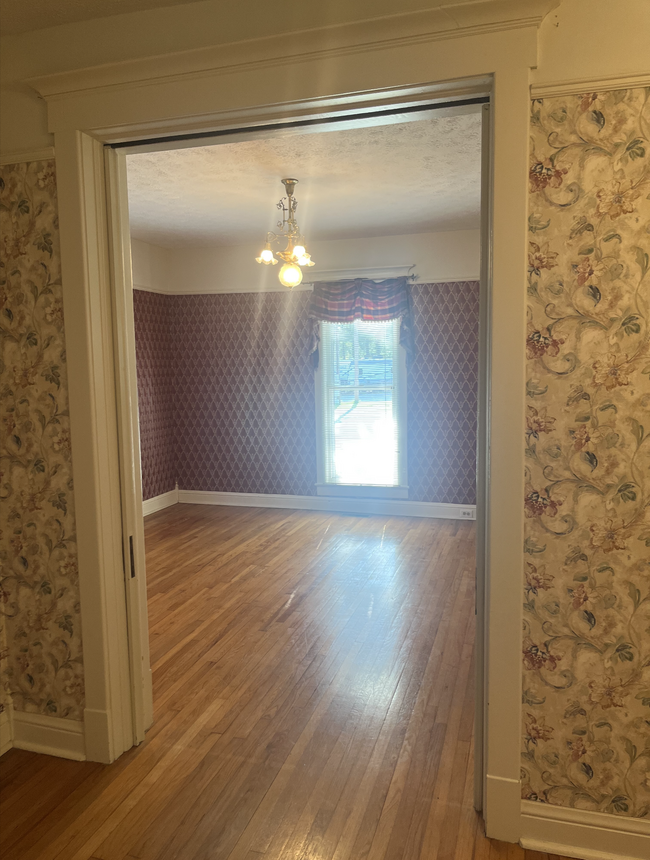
{"x": 467, "y": 514}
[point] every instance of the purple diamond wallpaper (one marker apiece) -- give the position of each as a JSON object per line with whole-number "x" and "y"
{"x": 227, "y": 398}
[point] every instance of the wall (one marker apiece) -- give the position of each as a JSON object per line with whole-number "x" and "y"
{"x": 156, "y": 397}
{"x": 436, "y": 257}
{"x": 586, "y": 647}
{"x": 582, "y": 42}
{"x": 151, "y": 33}
{"x": 442, "y": 393}
{"x": 244, "y": 393}
{"x": 244, "y": 400}
{"x": 43, "y": 671}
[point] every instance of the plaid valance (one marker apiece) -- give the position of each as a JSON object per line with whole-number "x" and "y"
{"x": 361, "y": 299}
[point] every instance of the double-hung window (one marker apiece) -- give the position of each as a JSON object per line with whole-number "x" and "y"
{"x": 362, "y": 414}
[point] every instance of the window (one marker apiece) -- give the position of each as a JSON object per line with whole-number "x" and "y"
{"x": 362, "y": 410}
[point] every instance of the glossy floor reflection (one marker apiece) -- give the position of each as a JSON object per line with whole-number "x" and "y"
{"x": 313, "y": 689}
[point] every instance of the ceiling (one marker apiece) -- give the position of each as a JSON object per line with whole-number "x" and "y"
{"x": 411, "y": 177}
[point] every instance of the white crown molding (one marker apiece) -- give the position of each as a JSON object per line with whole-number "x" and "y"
{"x": 575, "y": 86}
{"x": 49, "y": 735}
{"x": 583, "y": 834}
{"x": 380, "y": 507}
{"x": 449, "y": 20}
{"x": 27, "y": 155}
{"x": 157, "y": 503}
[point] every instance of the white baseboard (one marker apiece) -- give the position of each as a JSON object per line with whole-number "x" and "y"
{"x": 6, "y": 730}
{"x": 157, "y": 503}
{"x": 381, "y": 507}
{"x": 501, "y": 807}
{"x": 49, "y": 735}
{"x": 583, "y": 834}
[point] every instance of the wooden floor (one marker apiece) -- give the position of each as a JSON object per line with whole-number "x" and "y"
{"x": 313, "y": 691}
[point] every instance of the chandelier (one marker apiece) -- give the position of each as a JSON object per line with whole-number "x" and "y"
{"x": 295, "y": 254}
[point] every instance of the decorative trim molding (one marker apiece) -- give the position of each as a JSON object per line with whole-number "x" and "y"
{"x": 501, "y": 799}
{"x": 448, "y": 20}
{"x": 157, "y": 503}
{"x": 49, "y": 735}
{"x": 580, "y": 85}
{"x": 583, "y": 834}
{"x": 381, "y": 507}
{"x": 27, "y": 155}
{"x": 6, "y": 729}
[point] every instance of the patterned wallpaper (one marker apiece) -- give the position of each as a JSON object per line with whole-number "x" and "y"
{"x": 153, "y": 315}
{"x": 586, "y": 649}
{"x": 43, "y": 670}
{"x": 244, "y": 391}
{"x": 242, "y": 394}
{"x": 442, "y": 393}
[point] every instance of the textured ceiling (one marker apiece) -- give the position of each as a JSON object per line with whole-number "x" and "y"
{"x": 385, "y": 180}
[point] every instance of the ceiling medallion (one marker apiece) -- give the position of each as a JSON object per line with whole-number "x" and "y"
{"x": 295, "y": 254}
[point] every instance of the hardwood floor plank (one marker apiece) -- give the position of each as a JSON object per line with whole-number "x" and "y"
{"x": 313, "y": 697}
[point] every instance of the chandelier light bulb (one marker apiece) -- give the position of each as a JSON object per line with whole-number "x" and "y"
{"x": 290, "y": 275}
{"x": 293, "y": 256}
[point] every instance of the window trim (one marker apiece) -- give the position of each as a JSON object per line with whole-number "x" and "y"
{"x": 365, "y": 491}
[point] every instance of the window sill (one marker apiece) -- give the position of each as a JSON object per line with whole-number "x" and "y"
{"x": 361, "y": 491}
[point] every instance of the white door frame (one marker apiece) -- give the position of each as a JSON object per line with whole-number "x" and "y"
{"x": 88, "y": 109}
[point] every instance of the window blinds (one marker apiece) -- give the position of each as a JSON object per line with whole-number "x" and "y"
{"x": 361, "y": 432}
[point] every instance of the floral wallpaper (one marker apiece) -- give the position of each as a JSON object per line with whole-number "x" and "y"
{"x": 43, "y": 671}
{"x": 586, "y": 646}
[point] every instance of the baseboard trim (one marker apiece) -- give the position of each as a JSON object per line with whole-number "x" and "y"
{"x": 157, "y": 503}
{"x": 6, "y": 730}
{"x": 49, "y": 735}
{"x": 381, "y": 507}
{"x": 583, "y": 834}
{"x": 501, "y": 805}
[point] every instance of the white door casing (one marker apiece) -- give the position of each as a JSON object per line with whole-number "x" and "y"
{"x": 143, "y": 97}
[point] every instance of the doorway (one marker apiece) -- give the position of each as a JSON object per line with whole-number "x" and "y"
{"x": 133, "y": 530}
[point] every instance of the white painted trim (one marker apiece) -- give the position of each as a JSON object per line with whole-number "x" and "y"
{"x": 361, "y": 491}
{"x": 88, "y": 310}
{"x": 578, "y": 85}
{"x": 379, "y": 507}
{"x": 326, "y": 43}
{"x": 502, "y": 798}
{"x": 49, "y": 735}
{"x": 82, "y": 122}
{"x": 27, "y": 155}
{"x": 582, "y": 833}
{"x": 157, "y": 503}
{"x": 128, "y": 427}
{"x": 6, "y": 729}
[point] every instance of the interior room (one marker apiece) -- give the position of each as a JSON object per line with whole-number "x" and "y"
{"x": 277, "y": 580}
{"x": 313, "y": 515}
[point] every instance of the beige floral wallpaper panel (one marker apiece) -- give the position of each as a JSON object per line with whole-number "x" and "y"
{"x": 42, "y": 668}
{"x": 586, "y": 646}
